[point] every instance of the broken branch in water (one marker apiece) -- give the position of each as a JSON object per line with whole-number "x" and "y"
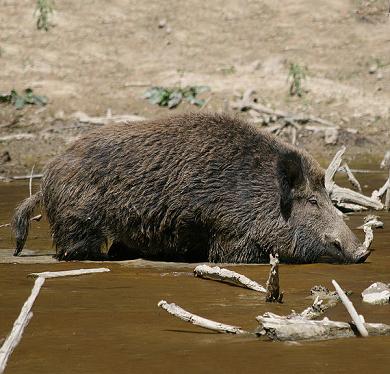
{"x": 227, "y": 276}
{"x": 355, "y": 183}
{"x": 68, "y": 273}
{"x": 273, "y": 292}
{"x": 340, "y": 195}
{"x": 284, "y": 329}
{"x": 369, "y": 236}
{"x": 184, "y": 315}
{"x": 19, "y": 325}
{"x": 25, "y": 314}
{"x": 292, "y": 327}
{"x": 378, "y": 293}
{"x": 370, "y": 222}
{"x": 377, "y": 194}
{"x": 358, "y": 320}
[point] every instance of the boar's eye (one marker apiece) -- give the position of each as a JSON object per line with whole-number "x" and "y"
{"x": 313, "y": 200}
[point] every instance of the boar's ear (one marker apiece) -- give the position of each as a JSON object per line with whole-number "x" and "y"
{"x": 290, "y": 176}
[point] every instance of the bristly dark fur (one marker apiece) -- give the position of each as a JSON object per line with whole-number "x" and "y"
{"x": 189, "y": 187}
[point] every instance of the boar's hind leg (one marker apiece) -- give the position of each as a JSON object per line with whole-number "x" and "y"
{"x": 78, "y": 243}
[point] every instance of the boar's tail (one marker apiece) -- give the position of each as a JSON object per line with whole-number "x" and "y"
{"x": 21, "y": 220}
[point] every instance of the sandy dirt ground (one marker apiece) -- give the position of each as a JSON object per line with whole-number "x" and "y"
{"x": 101, "y": 56}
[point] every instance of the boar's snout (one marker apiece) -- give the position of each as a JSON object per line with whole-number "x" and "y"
{"x": 350, "y": 252}
{"x": 363, "y": 254}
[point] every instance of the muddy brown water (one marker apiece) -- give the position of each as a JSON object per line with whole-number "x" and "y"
{"x": 106, "y": 323}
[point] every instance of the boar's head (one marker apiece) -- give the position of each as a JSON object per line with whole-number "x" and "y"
{"x": 316, "y": 230}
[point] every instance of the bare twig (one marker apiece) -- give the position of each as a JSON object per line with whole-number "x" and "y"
{"x": 351, "y": 310}
{"x": 355, "y": 183}
{"x": 23, "y": 136}
{"x": 227, "y": 276}
{"x": 184, "y": 315}
{"x": 30, "y": 181}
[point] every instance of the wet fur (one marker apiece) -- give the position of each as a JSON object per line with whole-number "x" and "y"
{"x": 189, "y": 187}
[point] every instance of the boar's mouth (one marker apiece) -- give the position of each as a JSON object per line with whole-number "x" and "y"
{"x": 334, "y": 254}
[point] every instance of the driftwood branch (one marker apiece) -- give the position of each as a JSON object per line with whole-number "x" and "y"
{"x": 68, "y": 273}
{"x": 355, "y": 183}
{"x": 227, "y": 276}
{"x": 25, "y": 315}
{"x": 292, "y": 327}
{"x": 340, "y": 195}
{"x": 332, "y": 168}
{"x": 377, "y": 194}
{"x": 19, "y": 325}
{"x": 279, "y": 328}
{"x": 358, "y": 320}
{"x": 348, "y": 207}
{"x": 378, "y": 293}
{"x": 273, "y": 292}
{"x": 372, "y": 221}
{"x": 184, "y": 315}
{"x": 369, "y": 236}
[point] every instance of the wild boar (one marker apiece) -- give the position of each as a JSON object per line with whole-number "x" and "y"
{"x": 193, "y": 187}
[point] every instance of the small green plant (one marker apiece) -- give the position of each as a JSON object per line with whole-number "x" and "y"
{"x": 296, "y": 74}
{"x": 20, "y": 101}
{"x": 172, "y": 97}
{"x": 43, "y": 11}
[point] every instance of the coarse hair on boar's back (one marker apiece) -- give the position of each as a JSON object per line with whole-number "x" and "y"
{"x": 192, "y": 187}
